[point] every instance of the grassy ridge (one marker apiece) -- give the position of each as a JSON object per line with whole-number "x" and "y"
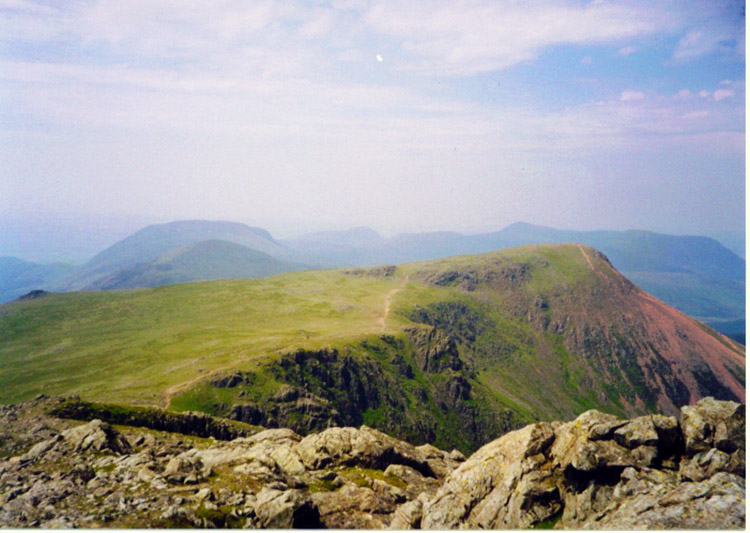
{"x": 129, "y": 346}
{"x": 540, "y": 332}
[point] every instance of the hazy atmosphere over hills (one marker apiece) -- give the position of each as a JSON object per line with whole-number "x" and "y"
{"x": 381, "y": 247}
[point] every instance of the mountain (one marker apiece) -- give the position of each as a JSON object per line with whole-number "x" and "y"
{"x": 695, "y": 274}
{"x": 205, "y": 260}
{"x": 153, "y": 241}
{"x": 18, "y": 277}
{"x": 454, "y": 351}
{"x": 635, "y": 250}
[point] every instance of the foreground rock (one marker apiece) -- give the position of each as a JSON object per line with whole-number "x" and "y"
{"x": 601, "y": 472}
{"x": 594, "y": 472}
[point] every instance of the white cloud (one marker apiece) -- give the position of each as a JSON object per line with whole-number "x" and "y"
{"x": 720, "y": 94}
{"x": 449, "y": 38}
{"x": 716, "y": 26}
{"x": 442, "y": 38}
{"x": 227, "y": 91}
{"x": 694, "y": 44}
{"x": 630, "y": 95}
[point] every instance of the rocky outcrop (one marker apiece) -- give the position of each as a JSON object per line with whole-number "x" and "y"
{"x": 596, "y": 471}
{"x": 601, "y": 472}
{"x": 434, "y": 351}
{"x": 190, "y": 423}
{"x": 91, "y": 475}
{"x": 290, "y": 407}
{"x": 413, "y": 386}
{"x": 364, "y": 447}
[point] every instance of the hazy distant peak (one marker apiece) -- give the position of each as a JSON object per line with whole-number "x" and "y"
{"x": 363, "y": 231}
{"x": 216, "y": 226}
{"x": 152, "y": 241}
{"x": 524, "y": 229}
{"x": 523, "y": 226}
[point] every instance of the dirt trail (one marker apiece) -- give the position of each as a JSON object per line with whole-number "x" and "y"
{"x": 387, "y": 305}
{"x": 586, "y": 256}
{"x": 173, "y": 390}
{"x": 591, "y": 263}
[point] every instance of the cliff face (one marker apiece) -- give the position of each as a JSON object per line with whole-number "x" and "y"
{"x": 561, "y": 321}
{"x": 488, "y": 345}
{"x": 596, "y": 471}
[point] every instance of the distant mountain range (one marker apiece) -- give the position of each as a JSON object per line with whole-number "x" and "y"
{"x": 695, "y": 274}
{"x": 153, "y": 241}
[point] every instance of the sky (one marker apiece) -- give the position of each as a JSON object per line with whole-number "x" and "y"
{"x": 401, "y": 116}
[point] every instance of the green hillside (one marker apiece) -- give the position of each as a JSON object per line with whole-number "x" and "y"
{"x": 454, "y": 351}
{"x": 128, "y": 346}
{"x": 205, "y": 260}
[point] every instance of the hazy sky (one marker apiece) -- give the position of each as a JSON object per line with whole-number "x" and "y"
{"x": 397, "y": 115}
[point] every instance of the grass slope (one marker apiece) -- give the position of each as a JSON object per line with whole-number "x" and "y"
{"x": 538, "y": 332}
{"x": 129, "y": 346}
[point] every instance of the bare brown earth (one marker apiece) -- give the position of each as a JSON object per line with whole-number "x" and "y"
{"x": 387, "y": 305}
{"x": 687, "y": 346}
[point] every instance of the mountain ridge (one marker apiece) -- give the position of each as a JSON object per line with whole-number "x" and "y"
{"x": 693, "y": 273}
{"x": 456, "y": 351}
{"x": 696, "y": 274}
